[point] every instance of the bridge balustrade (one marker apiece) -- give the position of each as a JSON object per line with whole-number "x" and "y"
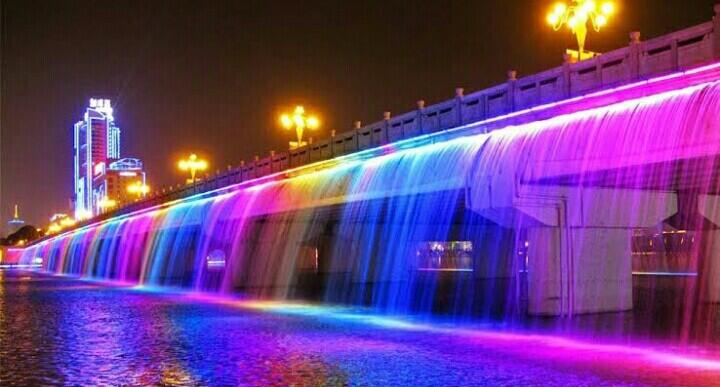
{"x": 364, "y": 136}
{"x": 345, "y": 143}
{"x": 441, "y": 116}
{"x": 299, "y": 157}
{"x": 378, "y": 134}
{"x": 248, "y": 171}
{"x": 404, "y": 126}
{"x": 263, "y": 167}
{"x": 280, "y": 162}
{"x": 321, "y": 150}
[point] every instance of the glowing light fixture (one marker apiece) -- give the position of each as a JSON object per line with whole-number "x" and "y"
{"x": 54, "y": 228}
{"x": 138, "y": 188}
{"x": 67, "y": 222}
{"x": 106, "y": 203}
{"x": 299, "y": 121}
{"x": 193, "y": 164}
{"x": 576, "y": 16}
{"x": 59, "y": 222}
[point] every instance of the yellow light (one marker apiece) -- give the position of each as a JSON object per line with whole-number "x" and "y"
{"x": 588, "y": 6}
{"x": 192, "y": 164}
{"x": 286, "y": 122}
{"x": 560, "y": 8}
{"x": 601, "y": 20}
{"x": 572, "y": 22}
{"x": 107, "y": 203}
{"x": 607, "y": 8}
{"x": 299, "y": 121}
{"x": 581, "y": 16}
{"x": 67, "y": 222}
{"x": 552, "y": 18}
{"x": 313, "y": 122}
{"x": 138, "y": 188}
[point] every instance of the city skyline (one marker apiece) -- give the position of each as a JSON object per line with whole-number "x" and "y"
{"x": 234, "y": 116}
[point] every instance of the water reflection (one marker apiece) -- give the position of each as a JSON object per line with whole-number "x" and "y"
{"x": 59, "y": 331}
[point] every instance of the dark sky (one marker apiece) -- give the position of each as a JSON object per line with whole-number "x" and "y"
{"x": 210, "y": 76}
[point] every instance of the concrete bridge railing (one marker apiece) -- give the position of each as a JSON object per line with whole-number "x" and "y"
{"x": 639, "y": 60}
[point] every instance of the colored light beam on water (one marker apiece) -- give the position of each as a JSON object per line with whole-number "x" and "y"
{"x": 531, "y": 344}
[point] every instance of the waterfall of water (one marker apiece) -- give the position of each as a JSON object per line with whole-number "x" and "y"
{"x": 605, "y": 210}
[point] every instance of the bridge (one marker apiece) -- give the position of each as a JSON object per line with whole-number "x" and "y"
{"x": 576, "y": 190}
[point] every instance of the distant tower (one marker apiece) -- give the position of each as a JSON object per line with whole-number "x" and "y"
{"x": 96, "y": 145}
{"x": 15, "y": 223}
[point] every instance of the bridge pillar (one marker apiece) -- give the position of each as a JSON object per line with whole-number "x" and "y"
{"x": 593, "y": 274}
{"x": 709, "y": 265}
{"x": 579, "y": 256}
{"x": 716, "y": 32}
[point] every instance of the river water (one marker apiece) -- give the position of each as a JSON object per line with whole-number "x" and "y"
{"x": 64, "y": 331}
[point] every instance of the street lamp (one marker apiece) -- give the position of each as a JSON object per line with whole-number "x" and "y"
{"x": 299, "y": 120}
{"x": 67, "y": 222}
{"x": 138, "y": 188}
{"x": 54, "y": 228}
{"x": 192, "y": 164}
{"x": 576, "y": 16}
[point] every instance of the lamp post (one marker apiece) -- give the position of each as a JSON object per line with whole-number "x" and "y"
{"x": 139, "y": 189}
{"x": 576, "y": 16}
{"x": 193, "y": 164}
{"x": 299, "y": 120}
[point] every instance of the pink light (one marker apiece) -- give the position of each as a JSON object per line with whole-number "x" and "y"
{"x": 531, "y": 344}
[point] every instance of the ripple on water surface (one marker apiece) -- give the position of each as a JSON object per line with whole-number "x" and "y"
{"x": 59, "y": 331}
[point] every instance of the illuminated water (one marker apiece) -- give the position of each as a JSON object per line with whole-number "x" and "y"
{"x": 58, "y": 331}
{"x": 606, "y": 219}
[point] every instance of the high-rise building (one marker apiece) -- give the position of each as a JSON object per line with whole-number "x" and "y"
{"x": 97, "y": 160}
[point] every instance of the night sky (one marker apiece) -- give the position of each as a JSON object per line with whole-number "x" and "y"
{"x": 211, "y": 76}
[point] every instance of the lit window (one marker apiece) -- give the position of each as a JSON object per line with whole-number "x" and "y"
{"x": 445, "y": 256}
{"x": 215, "y": 260}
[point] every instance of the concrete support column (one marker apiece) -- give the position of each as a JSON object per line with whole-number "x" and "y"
{"x": 547, "y": 293}
{"x": 601, "y": 264}
{"x": 716, "y": 31}
{"x": 710, "y": 275}
{"x": 709, "y": 207}
{"x": 579, "y": 270}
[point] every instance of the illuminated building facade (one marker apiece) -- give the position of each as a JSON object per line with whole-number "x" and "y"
{"x": 121, "y": 174}
{"x": 97, "y": 164}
